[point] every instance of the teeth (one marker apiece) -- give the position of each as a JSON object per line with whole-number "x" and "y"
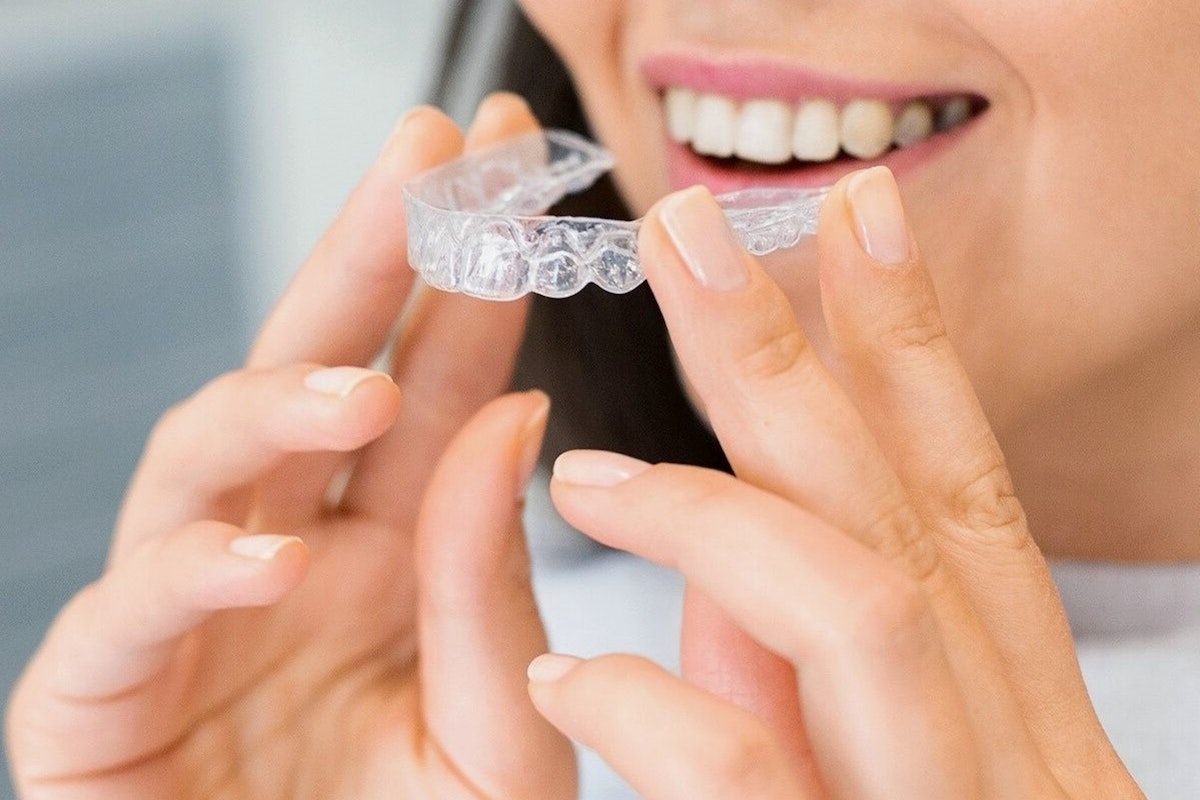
{"x": 681, "y": 114}
{"x": 818, "y": 131}
{"x": 765, "y": 132}
{"x": 715, "y": 132}
{"x": 954, "y": 113}
{"x": 915, "y": 124}
{"x": 774, "y": 132}
{"x": 867, "y": 128}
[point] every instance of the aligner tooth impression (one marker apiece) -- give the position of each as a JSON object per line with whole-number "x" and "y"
{"x": 469, "y": 228}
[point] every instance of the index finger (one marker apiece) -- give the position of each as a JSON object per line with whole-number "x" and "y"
{"x": 344, "y": 301}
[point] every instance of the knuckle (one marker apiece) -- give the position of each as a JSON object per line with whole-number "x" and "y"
{"x": 779, "y": 348}
{"x": 899, "y": 537}
{"x": 743, "y": 763}
{"x": 987, "y": 504}
{"x": 919, "y": 328}
{"x": 893, "y": 621}
{"x": 177, "y": 426}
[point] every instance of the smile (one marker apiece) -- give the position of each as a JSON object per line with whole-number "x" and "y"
{"x": 734, "y": 123}
{"x": 773, "y": 132}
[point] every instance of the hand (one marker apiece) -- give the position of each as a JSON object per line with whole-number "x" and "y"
{"x": 915, "y": 647}
{"x": 258, "y": 634}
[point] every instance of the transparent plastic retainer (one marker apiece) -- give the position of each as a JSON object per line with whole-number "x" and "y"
{"x": 474, "y": 228}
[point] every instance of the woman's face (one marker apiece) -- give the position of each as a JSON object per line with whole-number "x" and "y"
{"x": 1057, "y": 197}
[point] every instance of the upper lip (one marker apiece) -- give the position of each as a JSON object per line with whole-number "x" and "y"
{"x": 754, "y": 77}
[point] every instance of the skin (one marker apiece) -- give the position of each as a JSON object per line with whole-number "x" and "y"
{"x": 190, "y": 671}
{"x": 887, "y": 582}
{"x": 1061, "y": 232}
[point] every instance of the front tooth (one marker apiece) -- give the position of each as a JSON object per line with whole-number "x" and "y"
{"x": 681, "y": 114}
{"x": 816, "y": 136}
{"x": 765, "y": 132}
{"x": 867, "y": 128}
{"x": 716, "y": 126}
{"x": 954, "y": 113}
{"x": 915, "y": 124}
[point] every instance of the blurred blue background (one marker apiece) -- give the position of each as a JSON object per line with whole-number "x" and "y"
{"x": 164, "y": 168}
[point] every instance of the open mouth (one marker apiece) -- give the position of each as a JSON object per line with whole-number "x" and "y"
{"x": 735, "y": 122}
{"x": 773, "y": 133}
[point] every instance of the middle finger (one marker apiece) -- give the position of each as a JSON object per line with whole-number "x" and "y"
{"x": 787, "y": 425}
{"x": 783, "y": 421}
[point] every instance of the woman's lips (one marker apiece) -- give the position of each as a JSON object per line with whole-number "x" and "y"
{"x": 751, "y": 77}
{"x": 727, "y": 119}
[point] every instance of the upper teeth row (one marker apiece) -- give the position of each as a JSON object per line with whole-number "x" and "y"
{"x": 773, "y": 132}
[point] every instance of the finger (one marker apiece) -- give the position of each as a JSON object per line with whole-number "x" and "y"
{"x": 502, "y": 115}
{"x": 107, "y": 673}
{"x": 454, "y": 354}
{"x": 478, "y": 621}
{"x": 788, "y": 426}
{"x": 343, "y": 303}
{"x": 239, "y": 428}
{"x": 669, "y": 740}
{"x": 782, "y": 420}
{"x": 888, "y": 333}
{"x": 868, "y": 647}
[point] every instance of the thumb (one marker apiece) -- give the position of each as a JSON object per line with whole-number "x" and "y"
{"x": 479, "y": 625}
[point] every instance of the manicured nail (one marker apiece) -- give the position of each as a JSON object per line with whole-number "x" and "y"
{"x": 704, "y": 240}
{"x": 262, "y": 547}
{"x": 879, "y": 216}
{"x": 596, "y": 468}
{"x": 340, "y": 381}
{"x": 531, "y": 443}
{"x": 551, "y": 667}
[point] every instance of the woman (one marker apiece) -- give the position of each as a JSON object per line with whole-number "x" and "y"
{"x": 319, "y": 586}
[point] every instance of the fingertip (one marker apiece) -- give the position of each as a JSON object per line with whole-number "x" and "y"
{"x": 259, "y": 570}
{"x": 504, "y": 104}
{"x": 369, "y": 411}
{"x": 502, "y": 115}
{"x": 423, "y": 137}
{"x": 346, "y": 407}
{"x": 417, "y": 120}
{"x": 550, "y": 668}
{"x": 864, "y": 216}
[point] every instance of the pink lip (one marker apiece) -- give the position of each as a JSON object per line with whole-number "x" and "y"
{"x": 747, "y": 78}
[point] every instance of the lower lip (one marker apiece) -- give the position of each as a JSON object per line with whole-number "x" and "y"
{"x": 685, "y": 168}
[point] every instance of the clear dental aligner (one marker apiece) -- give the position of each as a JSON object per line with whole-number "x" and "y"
{"x": 474, "y": 228}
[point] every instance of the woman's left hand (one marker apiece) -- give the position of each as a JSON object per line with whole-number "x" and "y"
{"x": 871, "y": 544}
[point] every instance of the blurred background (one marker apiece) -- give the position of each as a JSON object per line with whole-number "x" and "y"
{"x": 164, "y": 168}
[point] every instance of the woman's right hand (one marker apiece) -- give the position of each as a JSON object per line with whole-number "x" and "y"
{"x": 319, "y": 585}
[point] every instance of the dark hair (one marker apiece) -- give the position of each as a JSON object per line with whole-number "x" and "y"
{"x": 604, "y": 359}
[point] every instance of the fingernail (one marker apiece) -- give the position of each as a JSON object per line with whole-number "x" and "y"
{"x": 704, "y": 240}
{"x": 531, "y": 444}
{"x": 596, "y": 468}
{"x": 551, "y": 667}
{"x": 340, "y": 381}
{"x": 262, "y": 547}
{"x": 878, "y": 216}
